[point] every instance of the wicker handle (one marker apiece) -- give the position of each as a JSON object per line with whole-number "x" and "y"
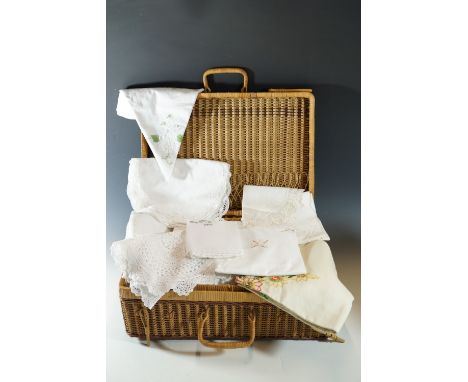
{"x": 225, "y": 345}
{"x": 224, "y": 71}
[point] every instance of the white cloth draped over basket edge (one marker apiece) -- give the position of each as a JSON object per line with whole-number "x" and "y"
{"x": 152, "y": 259}
{"x": 154, "y": 264}
{"x": 316, "y": 298}
{"x": 182, "y": 274}
{"x": 162, "y": 115}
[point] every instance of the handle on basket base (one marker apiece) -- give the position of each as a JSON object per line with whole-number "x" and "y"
{"x": 225, "y": 345}
{"x": 144, "y": 317}
{"x": 225, "y": 71}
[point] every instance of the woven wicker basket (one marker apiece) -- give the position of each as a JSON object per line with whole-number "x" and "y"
{"x": 268, "y": 139}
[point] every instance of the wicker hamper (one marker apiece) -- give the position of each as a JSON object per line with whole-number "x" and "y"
{"x": 268, "y": 139}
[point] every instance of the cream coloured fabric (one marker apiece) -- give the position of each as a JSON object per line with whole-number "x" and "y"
{"x": 162, "y": 115}
{"x": 197, "y": 190}
{"x": 317, "y": 297}
{"x": 283, "y": 208}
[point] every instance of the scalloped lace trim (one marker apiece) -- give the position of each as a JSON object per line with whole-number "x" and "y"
{"x": 155, "y": 264}
{"x": 219, "y": 200}
{"x": 224, "y": 197}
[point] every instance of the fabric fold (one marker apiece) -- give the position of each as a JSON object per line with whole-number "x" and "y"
{"x": 198, "y": 190}
{"x": 162, "y": 115}
{"x": 140, "y": 224}
{"x": 317, "y": 298}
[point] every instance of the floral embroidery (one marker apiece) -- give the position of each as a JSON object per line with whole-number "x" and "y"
{"x": 256, "y": 283}
{"x": 305, "y": 277}
{"x": 171, "y": 134}
{"x": 276, "y": 280}
{"x": 259, "y": 243}
{"x": 250, "y": 282}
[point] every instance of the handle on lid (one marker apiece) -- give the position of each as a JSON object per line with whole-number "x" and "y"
{"x": 240, "y": 71}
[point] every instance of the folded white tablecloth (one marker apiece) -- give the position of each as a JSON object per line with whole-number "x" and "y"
{"x": 196, "y": 190}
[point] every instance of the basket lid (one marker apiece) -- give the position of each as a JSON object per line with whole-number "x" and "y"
{"x": 266, "y": 137}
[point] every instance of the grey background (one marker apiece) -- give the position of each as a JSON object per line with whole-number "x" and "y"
{"x": 298, "y": 43}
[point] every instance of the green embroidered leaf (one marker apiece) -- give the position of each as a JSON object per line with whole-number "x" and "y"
{"x": 155, "y": 138}
{"x": 180, "y": 137}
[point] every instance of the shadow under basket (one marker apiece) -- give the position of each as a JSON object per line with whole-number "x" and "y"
{"x": 212, "y": 312}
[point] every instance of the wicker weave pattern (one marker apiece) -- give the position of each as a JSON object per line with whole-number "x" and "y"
{"x": 178, "y": 319}
{"x": 263, "y": 136}
{"x": 268, "y": 139}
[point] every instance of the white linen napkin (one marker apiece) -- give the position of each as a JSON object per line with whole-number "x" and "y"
{"x": 214, "y": 240}
{"x": 283, "y": 208}
{"x": 197, "y": 190}
{"x": 316, "y": 298}
{"x": 267, "y": 252}
{"x": 162, "y": 114}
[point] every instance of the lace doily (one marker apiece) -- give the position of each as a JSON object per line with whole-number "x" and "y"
{"x": 155, "y": 264}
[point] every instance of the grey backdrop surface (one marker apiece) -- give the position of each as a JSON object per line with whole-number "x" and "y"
{"x": 296, "y": 43}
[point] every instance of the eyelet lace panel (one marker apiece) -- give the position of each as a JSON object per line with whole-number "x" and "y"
{"x": 155, "y": 264}
{"x": 283, "y": 216}
{"x": 296, "y": 212}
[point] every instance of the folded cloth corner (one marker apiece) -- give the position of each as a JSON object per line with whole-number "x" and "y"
{"x": 197, "y": 190}
{"x": 162, "y": 115}
{"x": 317, "y": 298}
{"x": 141, "y": 223}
